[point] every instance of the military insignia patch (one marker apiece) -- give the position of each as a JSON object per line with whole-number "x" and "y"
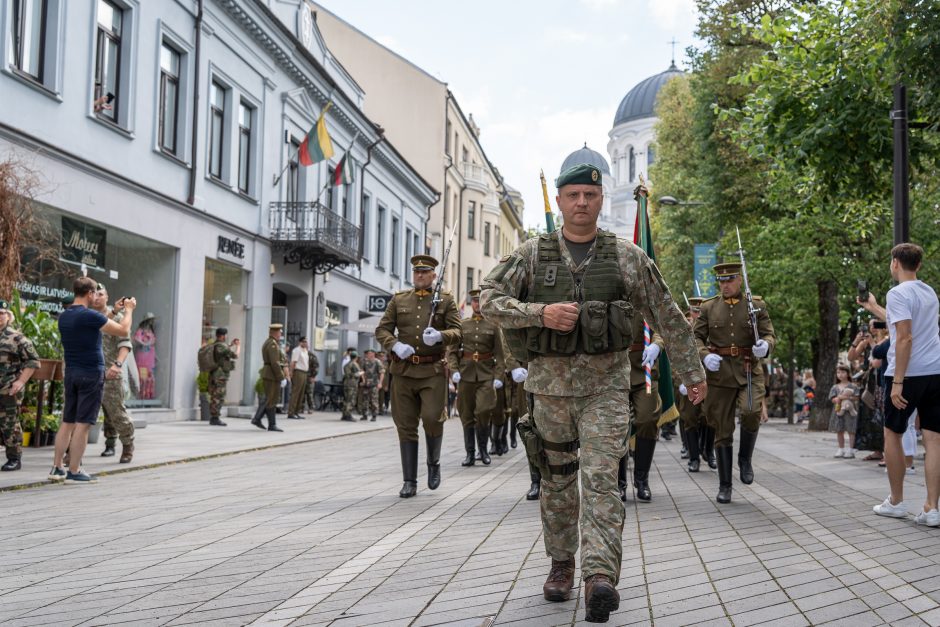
{"x": 593, "y": 175}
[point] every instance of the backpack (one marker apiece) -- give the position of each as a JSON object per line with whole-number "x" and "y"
{"x": 206, "y": 358}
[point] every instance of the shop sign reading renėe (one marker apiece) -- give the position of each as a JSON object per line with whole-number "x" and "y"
{"x": 230, "y": 250}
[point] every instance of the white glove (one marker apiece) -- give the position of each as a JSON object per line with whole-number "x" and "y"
{"x": 404, "y": 351}
{"x": 712, "y": 361}
{"x": 684, "y": 391}
{"x": 497, "y": 384}
{"x": 650, "y": 353}
{"x": 760, "y": 349}
{"x": 519, "y": 374}
{"x": 431, "y": 336}
{"x": 283, "y": 383}
{"x": 455, "y": 377}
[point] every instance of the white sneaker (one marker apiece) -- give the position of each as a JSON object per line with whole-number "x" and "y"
{"x": 849, "y": 453}
{"x": 892, "y": 511}
{"x": 931, "y": 518}
{"x": 839, "y": 453}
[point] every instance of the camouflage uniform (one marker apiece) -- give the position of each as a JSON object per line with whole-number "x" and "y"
{"x": 314, "y": 364}
{"x": 117, "y": 424}
{"x": 583, "y": 399}
{"x": 351, "y": 379}
{"x": 369, "y": 391}
{"x": 218, "y": 379}
{"x": 16, "y": 354}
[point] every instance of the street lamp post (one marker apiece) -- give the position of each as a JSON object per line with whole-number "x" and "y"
{"x": 670, "y": 201}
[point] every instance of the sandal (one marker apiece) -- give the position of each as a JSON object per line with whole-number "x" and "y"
{"x": 874, "y": 457}
{"x": 882, "y": 464}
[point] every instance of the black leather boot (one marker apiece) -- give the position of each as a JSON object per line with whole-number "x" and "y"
{"x": 724, "y": 454}
{"x": 434, "y": 460}
{"x": 108, "y": 448}
{"x": 622, "y": 477}
{"x": 409, "y": 469}
{"x": 536, "y": 478}
{"x": 12, "y": 464}
{"x": 512, "y": 431}
{"x": 256, "y": 421}
{"x": 692, "y": 437}
{"x": 503, "y": 441}
{"x": 745, "y": 451}
{"x": 494, "y": 440}
{"x": 708, "y": 447}
{"x": 272, "y": 420}
{"x": 482, "y": 437}
{"x": 642, "y": 462}
{"x": 469, "y": 445}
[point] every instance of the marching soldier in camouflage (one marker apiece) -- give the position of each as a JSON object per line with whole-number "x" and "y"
{"x": 352, "y": 379}
{"x": 224, "y": 356}
{"x": 274, "y": 375}
{"x": 373, "y": 373}
{"x": 725, "y": 340}
{"x": 117, "y": 423}
{"x": 419, "y": 387}
{"x": 475, "y": 366}
{"x": 566, "y": 302}
{"x": 645, "y": 409}
{"x": 697, "y": 435}
{"x": 18, "y": 360}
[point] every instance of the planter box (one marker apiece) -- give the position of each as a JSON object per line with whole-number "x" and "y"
{"x": 94, "y": 433}
{"x": 47, "y": 370}
{"x": 27, "y": 436}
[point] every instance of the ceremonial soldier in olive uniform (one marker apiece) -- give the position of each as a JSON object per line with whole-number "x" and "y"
{"x": 373, "y": 373}
{"x": 476, "y": 365}
{"x": 117, "y": 423}
{"x": 273, "y": 374}
{"x": 18, "y": 360}
{"x": 224, "y": 356}
{"x": 519, "y": 406}
{"x": 566, "y": 302}
{"x": 697, "y": 435}
{"x": 419, "y": 386}
{"x": 645, "y": 410}
{"x": 730, "y": 353}
{"x": 352, "y": 379}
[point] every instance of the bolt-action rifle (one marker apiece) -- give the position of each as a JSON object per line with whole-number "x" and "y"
{"x": 751, "y": 314}
{"x": 436, "y": 295}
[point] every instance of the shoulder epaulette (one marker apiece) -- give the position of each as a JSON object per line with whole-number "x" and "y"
{"x": 401, "y": 292}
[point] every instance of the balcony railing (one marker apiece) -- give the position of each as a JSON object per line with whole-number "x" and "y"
{"x": 474, "y": 173}
{"x": 313, "y": 235}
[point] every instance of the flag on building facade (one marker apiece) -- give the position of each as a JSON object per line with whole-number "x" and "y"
{"x": 344, "y": 171}
{"x": 316, "y": 146}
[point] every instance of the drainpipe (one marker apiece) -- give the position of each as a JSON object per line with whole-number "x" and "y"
{"x": 362, "y": 192}
{"x": 191, "y": 198}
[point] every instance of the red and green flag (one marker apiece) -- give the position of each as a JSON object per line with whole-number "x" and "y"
{"x": 344, "y": 171}
{"x": 316, "y": 146}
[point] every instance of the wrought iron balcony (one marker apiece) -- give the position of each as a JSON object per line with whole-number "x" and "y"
{"x": 312, "y": 235}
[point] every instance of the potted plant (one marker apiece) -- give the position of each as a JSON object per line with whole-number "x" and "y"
{"x": 43, "y": 331}
{"x": 95, "y": 430}
{"x": 27, "y": 417}
{"x": 202, "y": 384}
{"x": 49, "y": 425}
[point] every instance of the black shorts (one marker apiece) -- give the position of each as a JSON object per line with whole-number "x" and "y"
{"x": 922, "y": 394}
{"x": 83, "y": 392}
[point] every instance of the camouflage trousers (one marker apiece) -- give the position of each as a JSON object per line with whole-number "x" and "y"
{"x": 217, "y": 386}
{"x": 116, "y": 421}
{"x": 10, "y": 432}
{"x": 350, "y": 398}
{"x": 309, "y": 401}
{"x": 719, "y": 407}
{"x": 599, "y": 423}
{"x": 646, "y": 409}
{"x": 476, "y": 403}
{"x": 368, "y": 400}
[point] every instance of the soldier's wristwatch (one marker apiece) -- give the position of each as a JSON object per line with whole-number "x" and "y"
{"x": 119, "y": 364}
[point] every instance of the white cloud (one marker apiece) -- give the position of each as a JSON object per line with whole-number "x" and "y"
{"x": 599, "y": 5}
{"x": 565, "y": 35}
{"x": 679, "y": 15}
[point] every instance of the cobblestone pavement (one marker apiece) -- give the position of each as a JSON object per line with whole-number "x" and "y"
{"x": 315, "y": 534}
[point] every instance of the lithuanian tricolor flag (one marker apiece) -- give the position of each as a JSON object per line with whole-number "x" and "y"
{"x": 316, "y": 145}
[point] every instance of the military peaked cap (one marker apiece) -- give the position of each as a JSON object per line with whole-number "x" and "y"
{"x": 727, "y": 271}
{"x": 423, "y": 262}
{"x": 475, "y": 293}
{"x": 275, "y": 327}
{"x": 581, "y": 174}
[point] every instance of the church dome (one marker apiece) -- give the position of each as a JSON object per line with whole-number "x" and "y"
{"x": 588, "y": 156}
{"x": 640, "y": 102}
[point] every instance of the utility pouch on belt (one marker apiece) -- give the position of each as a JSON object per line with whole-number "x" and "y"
{"x": 593, "y": 326}
{"x": 532, "y": 441}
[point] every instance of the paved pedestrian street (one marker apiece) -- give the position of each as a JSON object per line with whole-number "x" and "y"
{"x": 314, "y": 534}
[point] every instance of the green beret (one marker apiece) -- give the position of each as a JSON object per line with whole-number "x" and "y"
{"x": 581, "y": 174}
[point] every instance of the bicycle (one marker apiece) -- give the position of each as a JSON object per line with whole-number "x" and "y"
{"x": 328, "y": 398}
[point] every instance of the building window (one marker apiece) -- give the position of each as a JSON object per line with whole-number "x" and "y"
{"x": 380, "y": 238}
{"x": 632, "y": 164}
{"x": 366, "y": 221}
{"x": 29, "y": 37}
{"x": 293, "y": 175}
{"x": 414, "y": 245}
{"x": 396, "y": 237}
{"x": 169, "y": 98}
{"x": 465, "y": 154}
{"x": 650, "y": 155}
{"x": 244, "y": 147}
{"x": 344, "y": 190}
{"x": 217, "y": 129}
{"x": 108, "y": 61}
{"x": 496, "y": 241}
{"x": 472, "y": 220}
{"x": 469, "y": 281}
{"x": 486, "y": 239}
{"x": 409, "y": 251}
{"x": 447, "y": 141}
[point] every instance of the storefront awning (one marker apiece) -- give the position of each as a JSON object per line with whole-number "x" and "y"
{"x": 362, "y": 325}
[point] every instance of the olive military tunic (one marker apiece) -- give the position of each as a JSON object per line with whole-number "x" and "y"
{"x": 479, "y": 359}
{"x": 419, "y": 387}
{"x": 272, "y": 372}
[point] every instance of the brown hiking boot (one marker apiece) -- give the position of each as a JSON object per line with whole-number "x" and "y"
{"x": 560, "y": 579}
{"x": 600, "y": 598}
{"x": 127, "y": 454}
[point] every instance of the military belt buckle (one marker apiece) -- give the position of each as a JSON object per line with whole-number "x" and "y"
{"x": 415, "y": 360}
{"x": 476, "y": 356}
{"x": 734, "y": 351}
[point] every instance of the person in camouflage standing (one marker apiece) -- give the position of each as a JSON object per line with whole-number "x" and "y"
{"x": 419, "y": 389}
{"x": 352, "y": 379}
{"x": 476, "y": 365}
{"x": 373, "y": 373}
{"x": 729, "y": 351}
{"x": 18, "y": 360}
{"x": 274, "y": 375}
{"x": 565, "y": 301}
{"x": 117, "y": 423}
{"x": 314, "y": 364}
{"x": 224, "y": 356}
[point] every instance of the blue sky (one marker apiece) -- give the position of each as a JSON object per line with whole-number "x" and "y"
{"x": 541, "y": 77}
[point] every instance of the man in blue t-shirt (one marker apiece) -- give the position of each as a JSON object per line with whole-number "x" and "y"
{"x": 80, "y": 327}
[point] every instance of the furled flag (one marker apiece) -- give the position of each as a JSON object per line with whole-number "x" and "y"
{"x": 317, "y": 145}
{"x": 643, "y": 237}
{"x": 344, "y": 171}
{"x": 549, "y": 218}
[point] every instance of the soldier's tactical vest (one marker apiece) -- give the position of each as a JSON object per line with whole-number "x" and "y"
{"x": 605, "y": 324}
